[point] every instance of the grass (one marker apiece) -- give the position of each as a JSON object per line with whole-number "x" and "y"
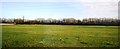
{"x": 59, "y": 36}
{"x": 0, "y": 36}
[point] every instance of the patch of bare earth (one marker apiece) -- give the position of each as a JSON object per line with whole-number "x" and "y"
{"x": 5, "y": 24}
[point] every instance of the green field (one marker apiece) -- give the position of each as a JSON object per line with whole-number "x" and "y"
{"x": 59, "y": 36}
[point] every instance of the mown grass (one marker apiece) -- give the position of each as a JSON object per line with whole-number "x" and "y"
{"x": 59, "y": 36}
{"x": 0, "y": 36}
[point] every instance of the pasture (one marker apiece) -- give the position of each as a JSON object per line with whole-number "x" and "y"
{"x": 59, "y": 36}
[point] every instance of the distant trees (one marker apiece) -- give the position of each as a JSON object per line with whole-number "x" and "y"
{"x": 4, "y": 20}
{"x": 100, "y": 21}
{"x": 65, "y": 21}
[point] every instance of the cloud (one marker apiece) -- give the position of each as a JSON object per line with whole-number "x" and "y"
{"x": 101, "y": 8}
{"x": 60, "y": 0}
{"x": 92, "y": 7}
{"x": 97, "y": 0}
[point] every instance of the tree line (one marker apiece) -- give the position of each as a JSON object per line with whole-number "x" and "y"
{"x": 65, "y": 21}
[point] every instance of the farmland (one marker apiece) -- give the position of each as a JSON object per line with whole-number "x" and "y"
{"x": 59, "y": 36}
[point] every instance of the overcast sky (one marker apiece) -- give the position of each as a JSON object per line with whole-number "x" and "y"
{"x": 59, "y": 9}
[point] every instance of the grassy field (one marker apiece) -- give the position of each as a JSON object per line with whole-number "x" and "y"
{"x": 59, "y": 36}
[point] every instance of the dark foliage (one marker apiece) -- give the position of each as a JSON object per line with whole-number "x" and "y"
{"x": 66, "y": 21}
